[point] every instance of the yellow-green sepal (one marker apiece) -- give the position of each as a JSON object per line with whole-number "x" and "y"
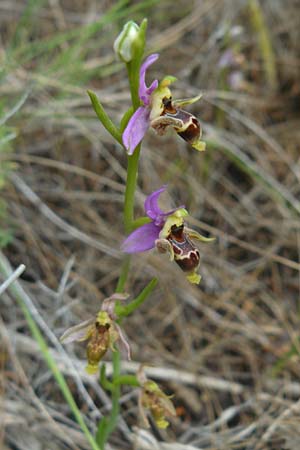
{"x": 186, "y": 101}
{"x": 195, "y": 235}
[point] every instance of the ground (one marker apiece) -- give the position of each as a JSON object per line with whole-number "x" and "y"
{"x": 227, "y": 350}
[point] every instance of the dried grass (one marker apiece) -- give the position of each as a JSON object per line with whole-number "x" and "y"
{"x": 228, "y": 350}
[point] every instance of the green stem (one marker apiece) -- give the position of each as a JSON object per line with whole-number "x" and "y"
{"x": 140, "y": 221}
{"x": 108, "y": 424}
{"x": 124, "y": 274}
{"x": 133, "y": 70}
{"x": 105, "y": 383}
{"x": 130, "y": 380}
{"x": 133, "y": 67}
{"x": 113, "y": 418}
{"x": 131, "y": 181}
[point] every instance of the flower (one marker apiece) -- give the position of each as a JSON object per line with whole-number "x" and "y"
{"x": 168, "y": 233}
{"x": 160, "y": 112}
{"x": 153, "y": 399}
{"x": 145, "y": 237}
{"x": 101, "y": 333}
{"x": 157, "y": 402}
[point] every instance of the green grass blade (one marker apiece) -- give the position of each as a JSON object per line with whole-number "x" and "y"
{"x": 23, "y": 26}
{"x": 18, "y": 293}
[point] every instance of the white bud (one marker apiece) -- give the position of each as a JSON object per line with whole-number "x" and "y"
{"x": 124, "y": 44}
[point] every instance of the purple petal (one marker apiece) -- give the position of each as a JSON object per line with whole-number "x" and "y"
{"x": 141, "y": 239}
{"x": 151, "y": 204}
{"x": 144, "y": 91}
{"x": 145, "y": 97}
{"x": 136, "y": 129}
{"x": 153, "y": 210}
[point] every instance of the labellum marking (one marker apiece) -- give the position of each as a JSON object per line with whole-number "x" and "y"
{"x": 190, "y": 130}
{"x": 186, "y": 255}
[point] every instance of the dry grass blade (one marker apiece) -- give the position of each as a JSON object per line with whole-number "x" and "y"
{"x": 228, "y": 350}
{"x": 16, "y": 274}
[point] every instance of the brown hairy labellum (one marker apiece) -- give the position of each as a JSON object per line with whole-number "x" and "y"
{"x": 186, "y": 254}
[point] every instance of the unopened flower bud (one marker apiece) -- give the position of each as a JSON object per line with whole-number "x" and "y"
{"x": 125, "y": 44}
{"x": 152, "y": 398}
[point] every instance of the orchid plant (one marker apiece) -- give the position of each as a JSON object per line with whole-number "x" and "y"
{"x": 167, "y": 231}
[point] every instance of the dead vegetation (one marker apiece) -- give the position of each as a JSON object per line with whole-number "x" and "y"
{"x": 228, "y": 350}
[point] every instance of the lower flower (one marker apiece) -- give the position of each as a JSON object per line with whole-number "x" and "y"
{"x": 168, "y": 232}
{"x": 102, "y": 333}
{"x": 154, "y": 400}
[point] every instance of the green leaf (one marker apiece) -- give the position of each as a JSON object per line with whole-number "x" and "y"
{"x": 124, "y": 311}
{"x": 104, "y": 119}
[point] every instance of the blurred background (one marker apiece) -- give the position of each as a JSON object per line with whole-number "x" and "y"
{"x": 229, "y": 349}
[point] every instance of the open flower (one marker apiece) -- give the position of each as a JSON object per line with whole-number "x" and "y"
{"x": 154, "y": 400}
{"x": 160, "y": 112}
{"x": 168, "y": 233}
{"x": 101, "y": 333}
